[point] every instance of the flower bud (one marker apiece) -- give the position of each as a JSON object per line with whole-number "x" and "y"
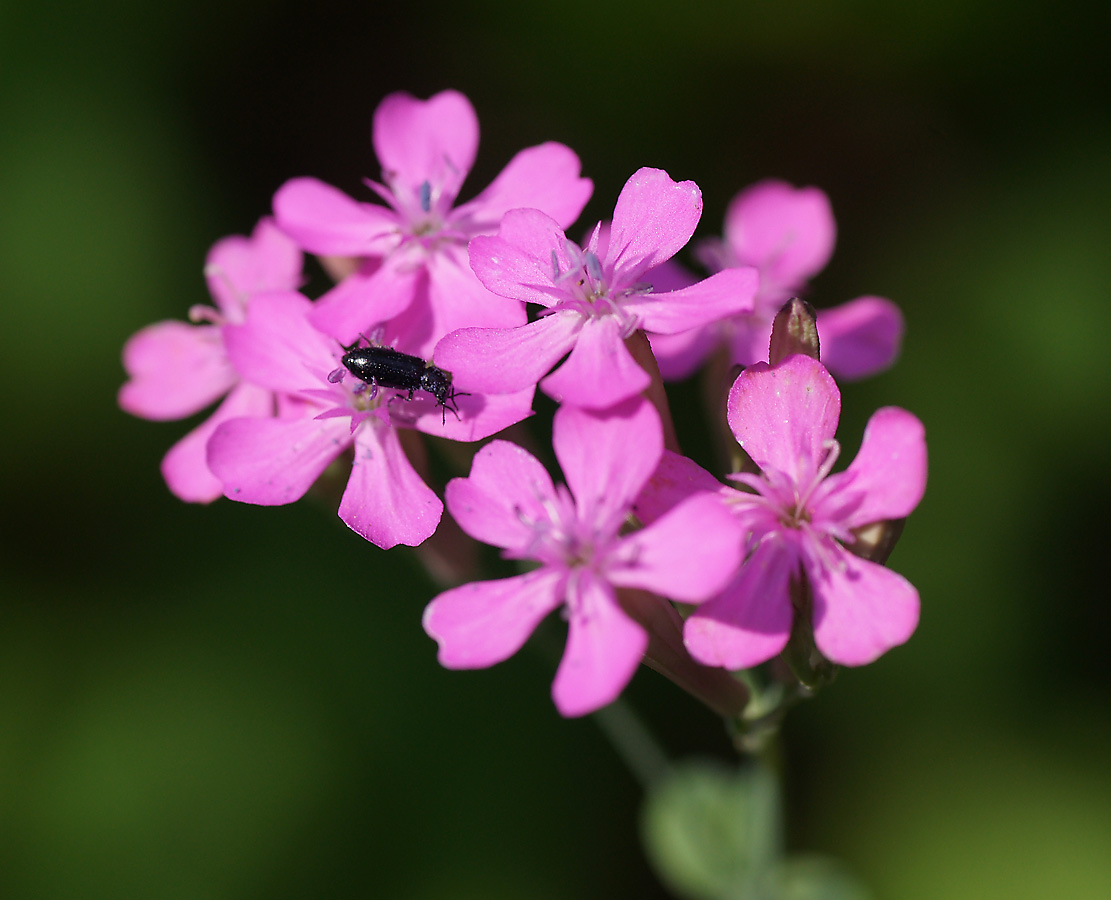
{"x": 876, "y": 541}
{"x": 794, "y": 330}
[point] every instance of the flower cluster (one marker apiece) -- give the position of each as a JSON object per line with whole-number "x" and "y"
{"x": 447, "y": 318}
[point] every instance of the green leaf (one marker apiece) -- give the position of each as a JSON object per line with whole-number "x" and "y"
{"x": 817, "y": 878}
{"x": 711, "y": 832}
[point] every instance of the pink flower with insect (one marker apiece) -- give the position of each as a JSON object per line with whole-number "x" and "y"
{"x": 788, "y": 234}
{"x": 575, "y": 534}
{"x": 593, "y": 297}
{"x": 414, "y": 249}
{"x": 803, "y": 522}
{"x": 324, "y": 411}
{"x": 176, "y": 369}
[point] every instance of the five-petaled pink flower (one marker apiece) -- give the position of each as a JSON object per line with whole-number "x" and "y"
{"x": 177, "y": 369}
{"x": 788, "y": 234}
{"x": 576, "y": 537}
{"x": 594, "y": 297}
{"x": 800, "y": 519}
{"x": 414, "y": 250}
{"x": 273, "y": 461}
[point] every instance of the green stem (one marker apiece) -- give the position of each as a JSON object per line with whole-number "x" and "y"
{"x": 636, "y": 746}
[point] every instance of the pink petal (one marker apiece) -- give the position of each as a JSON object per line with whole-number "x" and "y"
{"x": 888, "y": 476}
{"x": 750, "y": 621}
{"x": 412, "y": 327}
{"x": 676, "y": 478}
{"x": 433, "y": 140}
{"x": 604, "y": 648}
{"x": 518, "y": 262}
{"x": 861, "y": 610}
{"x": 786, "y": 232}
{"x": 544, "y": 177}
{"x": 725, "y": 294}
{"x": 688, "y": 554}
{"x": 750, "y": 340}
{"x": 861, "y": 337}
{"x": 653, "y": 220}
{"x": 238, "y": 267}
{"x": 324, "y": 220}
{"x": 276, "y": 347}
{"x": 374, "y": 294}
{"x": 386, "y": 501}
{"x": 506, "y": 360}
{"x": 479, "y": 415}
{"x": 669, "y": 276}
{"x": 600, "y": 370}
{"x": 607, "y": 456}
{"x": 457, "y": 299}
{"x": 486, "y": 622}
{"x": 185, "y": 467}
{"x": 175, "y": 370}
{"x": 783, "y": 416}
{"x": 506, "y": 491}
{"x": 270, "y": 462}
{"x": 680, "y": 355}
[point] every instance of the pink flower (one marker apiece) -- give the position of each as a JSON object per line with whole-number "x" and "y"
{"x": 594, "y": 297}
{"x": 176, "y": 369}
{"x": 273, "y": 461}
{"x": 800, "y": 520}
{"x": 574, "y": 533}
{"x": 415, "y": 248}
{"x": 788, "y": 234}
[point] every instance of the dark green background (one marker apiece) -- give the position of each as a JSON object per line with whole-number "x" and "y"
{"x": 233, "y": 702}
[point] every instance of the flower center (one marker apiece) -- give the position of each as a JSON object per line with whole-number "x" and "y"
{"x": 796, "y": 517}
{"x": 423, "y": 212}
{"x": 559, "y": 537}
{"x": 364, "y": 397}
{"x": 789, "y": 500}
{"x": 587, "y": 288}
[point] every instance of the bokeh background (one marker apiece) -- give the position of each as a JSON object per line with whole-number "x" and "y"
{"x": 232, "y": 702}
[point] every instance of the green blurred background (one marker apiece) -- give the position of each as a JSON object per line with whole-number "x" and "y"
{"x": 233, "y": 702}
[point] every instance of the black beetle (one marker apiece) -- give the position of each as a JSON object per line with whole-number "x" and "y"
{"x": 390, "y": 368}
